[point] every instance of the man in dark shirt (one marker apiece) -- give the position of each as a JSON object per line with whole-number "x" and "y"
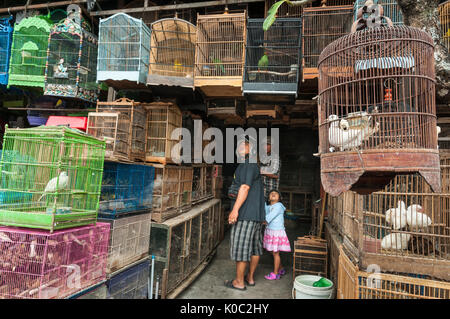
{"x": 247, "y": 215}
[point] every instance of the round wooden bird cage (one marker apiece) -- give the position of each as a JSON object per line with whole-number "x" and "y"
{"x": 377, "y": 113}
{"x": 172, "y": 53}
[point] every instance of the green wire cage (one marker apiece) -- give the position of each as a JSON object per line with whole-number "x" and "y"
{"x": 50, "y": 178}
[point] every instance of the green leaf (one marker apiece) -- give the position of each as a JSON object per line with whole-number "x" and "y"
{"x": 271, "y": 14}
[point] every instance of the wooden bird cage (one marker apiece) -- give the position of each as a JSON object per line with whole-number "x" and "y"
{"x": 220, "y": 54}
{"x": 298, "y": 203}
{"x": 6, "y": 32}
{"x": 444, "y": 17}
{"x": 377, "y": 109}
{"x": 272, "y": 57}
{"x": 29, "y": 52}
{"x": 123, "y": 51}
{"x": 122, "y": 124}
{"x": 162, "y": 119}
{"x": 390, "y": 9}
{"x": 310, "y": 256}
{"x": 71, "y": 69}
{"x": 202, "y": 184}
{"x": 354, "y": 283}
{"x": 321, "y": 26}
{"x": 181, "y": 244}
{"x": 172, "y": 191}
{"x": 172, "y": 53}
{"x": 229, "y": 110}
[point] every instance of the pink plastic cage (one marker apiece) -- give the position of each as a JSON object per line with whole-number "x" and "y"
{"x": 39, "y": 265}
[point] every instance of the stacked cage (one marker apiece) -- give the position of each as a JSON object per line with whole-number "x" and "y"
{"x": 6, "y": 32}
{"x": 123, "y": 51}
{"x": 390, "y": 10}
{"x": 71, "y": 68}
{"x": 231, "y": 111}
{"x": 202, "y": 183}
{"x": 172, "y": 53}
{"x": 180, "y": 245}
{"x": 131, "y": 283}
{"x": 220, "y": 54}
{"x": 122, "y": 124}
{"x": 298, "y": 203}
{"x": 444, "y": 18}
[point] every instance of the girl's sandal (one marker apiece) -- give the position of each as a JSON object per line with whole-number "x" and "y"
{"x": 272, "y": 276}
{"x": 282, "y": 272}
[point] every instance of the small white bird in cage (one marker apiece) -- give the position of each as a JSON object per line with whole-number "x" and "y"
{"x": 397, "y": 216}
{"x": 54, "y": 184}
{"x": 416, "y": 218}
{"x": 396, "y": 241}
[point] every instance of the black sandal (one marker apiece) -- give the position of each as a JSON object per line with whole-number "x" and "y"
{"x": 249, "y": 284}
{"x": 229, "y": 284}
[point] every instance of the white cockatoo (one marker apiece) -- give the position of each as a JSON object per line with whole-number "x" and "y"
{"x": 397, "y": 216}
{"x": 395, "y": 241}
{"x": 51, "y": 185}
{"x": 415, "y": 218}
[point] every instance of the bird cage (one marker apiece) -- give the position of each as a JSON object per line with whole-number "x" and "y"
{"x": 202, "y": 182}
{"x": 100, "y": 292}
{"x": 229, "y": 110}
{"x": 172, "y": 53}
{"x": 220, "y": 54}
{"x": 185, "y": 188}
{"x": 182, "y": 243}
{"x": 354, "y": 283}
{"x": 122, "y": 124}
{"x": 6, "y": 32}
{"x": 128, "y": 240}
{"x": 390, "y": 9}
{"x": 71, "y": 69}
{"x": 298, "y": 203}
{"x": 36, "y": 264}
{"x": 131, "y": 283}
{"x": 29, "y": 52}
{"x": 377, "y": 109}
{"x": 285, "y": 10}
{"x": 51, "y": 178}
{"x": 444, "y": 18}
{"x": 321, "y": 26}
{"x": 162, "y": 119}
{"x": 310, "y": 256}
{"x": 123, "y": 50}
{"x": 126, "y": 188}
{"x": 272, "y": 57}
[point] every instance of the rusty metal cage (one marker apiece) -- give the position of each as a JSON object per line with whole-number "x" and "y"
{"x": 172, "y": 53}
{"x": 444, "y": 17}
{"x": 122, "y": 124}
{"x": 220, "y": 54}
{"x": 377, "y": 113}
{"x": 321, "y": 26}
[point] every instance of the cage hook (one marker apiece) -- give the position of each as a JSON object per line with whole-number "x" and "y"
{"x": 9, "y": 11}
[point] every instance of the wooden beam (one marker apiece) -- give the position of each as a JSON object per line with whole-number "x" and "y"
{"x": 42, "y": 5}
{"x": 173, "y": 7}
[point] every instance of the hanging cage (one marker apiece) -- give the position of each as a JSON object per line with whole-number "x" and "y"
{"x": 229, "y": 110}
{"x": 321, "y": 26}
{"x": 444, "y": 17}
{"x": 272, "y": 57}
{"x": 172, "y": 53}
{"x": 377, "y": 113}
{"x": 390, "y": 9}
{"x": 220, "y": 54}
{"x": 285, "y": 10}
{"x": 71, "y": 69}
{"x": 29, "y": 52}
{"x": 123, "y": 51}
{"x": 6, "y": 32}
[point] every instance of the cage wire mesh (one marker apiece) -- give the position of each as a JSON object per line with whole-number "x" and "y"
{"x": 123, "y": 49}
{"x": 131, "y": 283}
{"x": 390, "y": 10}
{"x": 36, "y": 264}
{"x": 444, "y": 17}
{"x": 272, "y": 57}
{"x": 51, "y": 178}
{"x": 6, "y": 32}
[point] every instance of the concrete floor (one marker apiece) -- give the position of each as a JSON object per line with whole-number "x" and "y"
{"x": 210, "y": 283}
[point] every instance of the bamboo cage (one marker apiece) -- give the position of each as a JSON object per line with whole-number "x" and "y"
{"x": 123, "y": 51}
{"x": 377, "y": 113}
{"x": 6, "y": 32}
{"x": 232, "y": 111}
{"x": 310, "y": 256}
{"x": 334, "y": 244}
{"x": 390, "y": 9}
{"x": 162, "y": 119}
{"x": 172, "y": 53}
{"x": 202, "y": 184}
{"x": 354, "y": 283}
{"x": 122, "y": 124}
{"x": 220, "y": 54}
{"x": 321, "y": 26}
{"x": 298, "y": 203}
{"x": 182, "y": 243}
{"x": 444, "y": 17}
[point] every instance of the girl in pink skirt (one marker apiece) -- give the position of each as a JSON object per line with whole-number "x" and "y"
{"x": 275, "y": 238}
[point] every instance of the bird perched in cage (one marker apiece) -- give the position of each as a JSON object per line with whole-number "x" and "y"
{"x": 177, "y": 65}
{"x": 263, "y": 61}
{"x": 218, "y": 64}
{"x": 416, "y": 218}
{"x": 395, "y": 241}
{"x": 55, "y": 183}
{"x": 397, "y": 216}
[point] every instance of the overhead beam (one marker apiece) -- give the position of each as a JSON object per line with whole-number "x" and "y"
{"x": 42, "y": 5}
{"x": 174, "y": 7}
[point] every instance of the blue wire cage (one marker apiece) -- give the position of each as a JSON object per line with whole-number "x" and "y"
{"x": 126, "y": 188}
{"x": 6, "y": 31}
{"x": 391, "y": 10}
{"x": 131, "y": 283}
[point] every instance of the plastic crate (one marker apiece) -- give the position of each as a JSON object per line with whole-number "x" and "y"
{"x": 77, "y": 122}
{"x": 131, "y": 283}
{"x": 36, "y": 120}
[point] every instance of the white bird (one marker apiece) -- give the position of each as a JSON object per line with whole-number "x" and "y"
{"x": 51, "y": 185}
{"x": 395, "y": 241}
{"x": 4, "y": 237}
{"x": 32, "y": 249}
{"x": 415, "y": 218}
{"x": 397, "y": 216}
